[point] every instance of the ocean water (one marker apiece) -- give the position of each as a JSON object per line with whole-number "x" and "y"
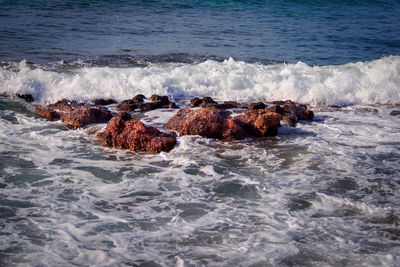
{"x": 325, "y": 193}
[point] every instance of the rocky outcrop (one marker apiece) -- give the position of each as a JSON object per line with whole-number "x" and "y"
{"x": 74, "y": 113}
{"x": 137, "y": 103}
{"x": 216, "y": 123}
{"x": 204, "y": 117}
{"x": 207, "y": 122}
{"x": 65, "y": 105}
{"x": 126, "y": 133}
{"x": 85, "y": 115}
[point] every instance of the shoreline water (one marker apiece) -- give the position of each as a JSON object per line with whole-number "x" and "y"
{"x": 323, "y": 193}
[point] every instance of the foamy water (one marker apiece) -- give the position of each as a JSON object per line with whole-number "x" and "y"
{"x": 324, "y": 193}
{"x": 374, "y": 82}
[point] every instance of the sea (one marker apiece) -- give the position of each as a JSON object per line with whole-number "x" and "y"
{"x": 323, "y": 193}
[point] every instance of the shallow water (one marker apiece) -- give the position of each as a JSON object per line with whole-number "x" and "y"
{"x": 323, "y": 193}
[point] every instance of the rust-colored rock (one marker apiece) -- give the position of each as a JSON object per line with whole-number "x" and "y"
{"x": 65, "y": 105}
{"x": 47, "y": 113}
{"x": 260, "y": 122}
{"x": 85, "y": 115}
{"x": 204, "y": 122}
{"x": 134, "y": 135}
{"x": 216, "y": 123}
{"x": 288, "y": 107}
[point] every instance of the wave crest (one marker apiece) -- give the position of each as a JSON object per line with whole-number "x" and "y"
{"x": 373, "y": 82}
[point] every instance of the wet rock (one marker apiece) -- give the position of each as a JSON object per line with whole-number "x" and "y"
{"x": 260, "y": 122}
{"x": 137, "y": 103}
{"x": 134, "y": 135}
{"x": 47, "y": 113}
{"x": 299, "y": 112}
{"x": 104, "y": 102}
{"x": 204, "y": 122}
{"x": 85, "y": 115}
{"x": 125, "y": 116}
{"x": 127, "y": 105}
{"x": 217, "y": 123}
{"x": 258, "y": 105}
{"x": 277, "y": 108}
{"x": 26, "y": 97}
{"x": 65, "y": 105}
{"x": 395, "y": 113}
{"x": 139, "y": 98}
{"x": 290, "y": 119}
{"x": 203, "y": 103}
{"x": 228, "y": 105}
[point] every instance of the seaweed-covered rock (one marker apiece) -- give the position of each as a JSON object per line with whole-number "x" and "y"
{"x": 84, "y": 115}
{"x": 134, "y": 135}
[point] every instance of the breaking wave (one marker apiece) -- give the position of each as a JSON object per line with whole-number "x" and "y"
{"x": 372, "y": 82}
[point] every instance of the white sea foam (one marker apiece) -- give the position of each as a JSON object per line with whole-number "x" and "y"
{"x": 374, "y": 82}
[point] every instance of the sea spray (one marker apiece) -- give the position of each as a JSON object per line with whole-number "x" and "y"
{"x": 373, "y": 82}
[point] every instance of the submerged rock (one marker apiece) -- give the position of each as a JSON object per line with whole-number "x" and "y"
{"x": 134, "y": 135}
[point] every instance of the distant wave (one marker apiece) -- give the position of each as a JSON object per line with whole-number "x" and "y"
{"x": 372, "y": 82}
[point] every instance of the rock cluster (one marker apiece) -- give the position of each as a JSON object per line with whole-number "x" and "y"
{"x": 217, "y": 123}
{"x": 122, "y": 131}
{"x": 203, "y": 116}
{"x": 74, "y": 113}
{"x": 214, "y": 121}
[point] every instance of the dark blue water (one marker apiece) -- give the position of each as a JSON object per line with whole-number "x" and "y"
{"x": 114, "y": 32}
